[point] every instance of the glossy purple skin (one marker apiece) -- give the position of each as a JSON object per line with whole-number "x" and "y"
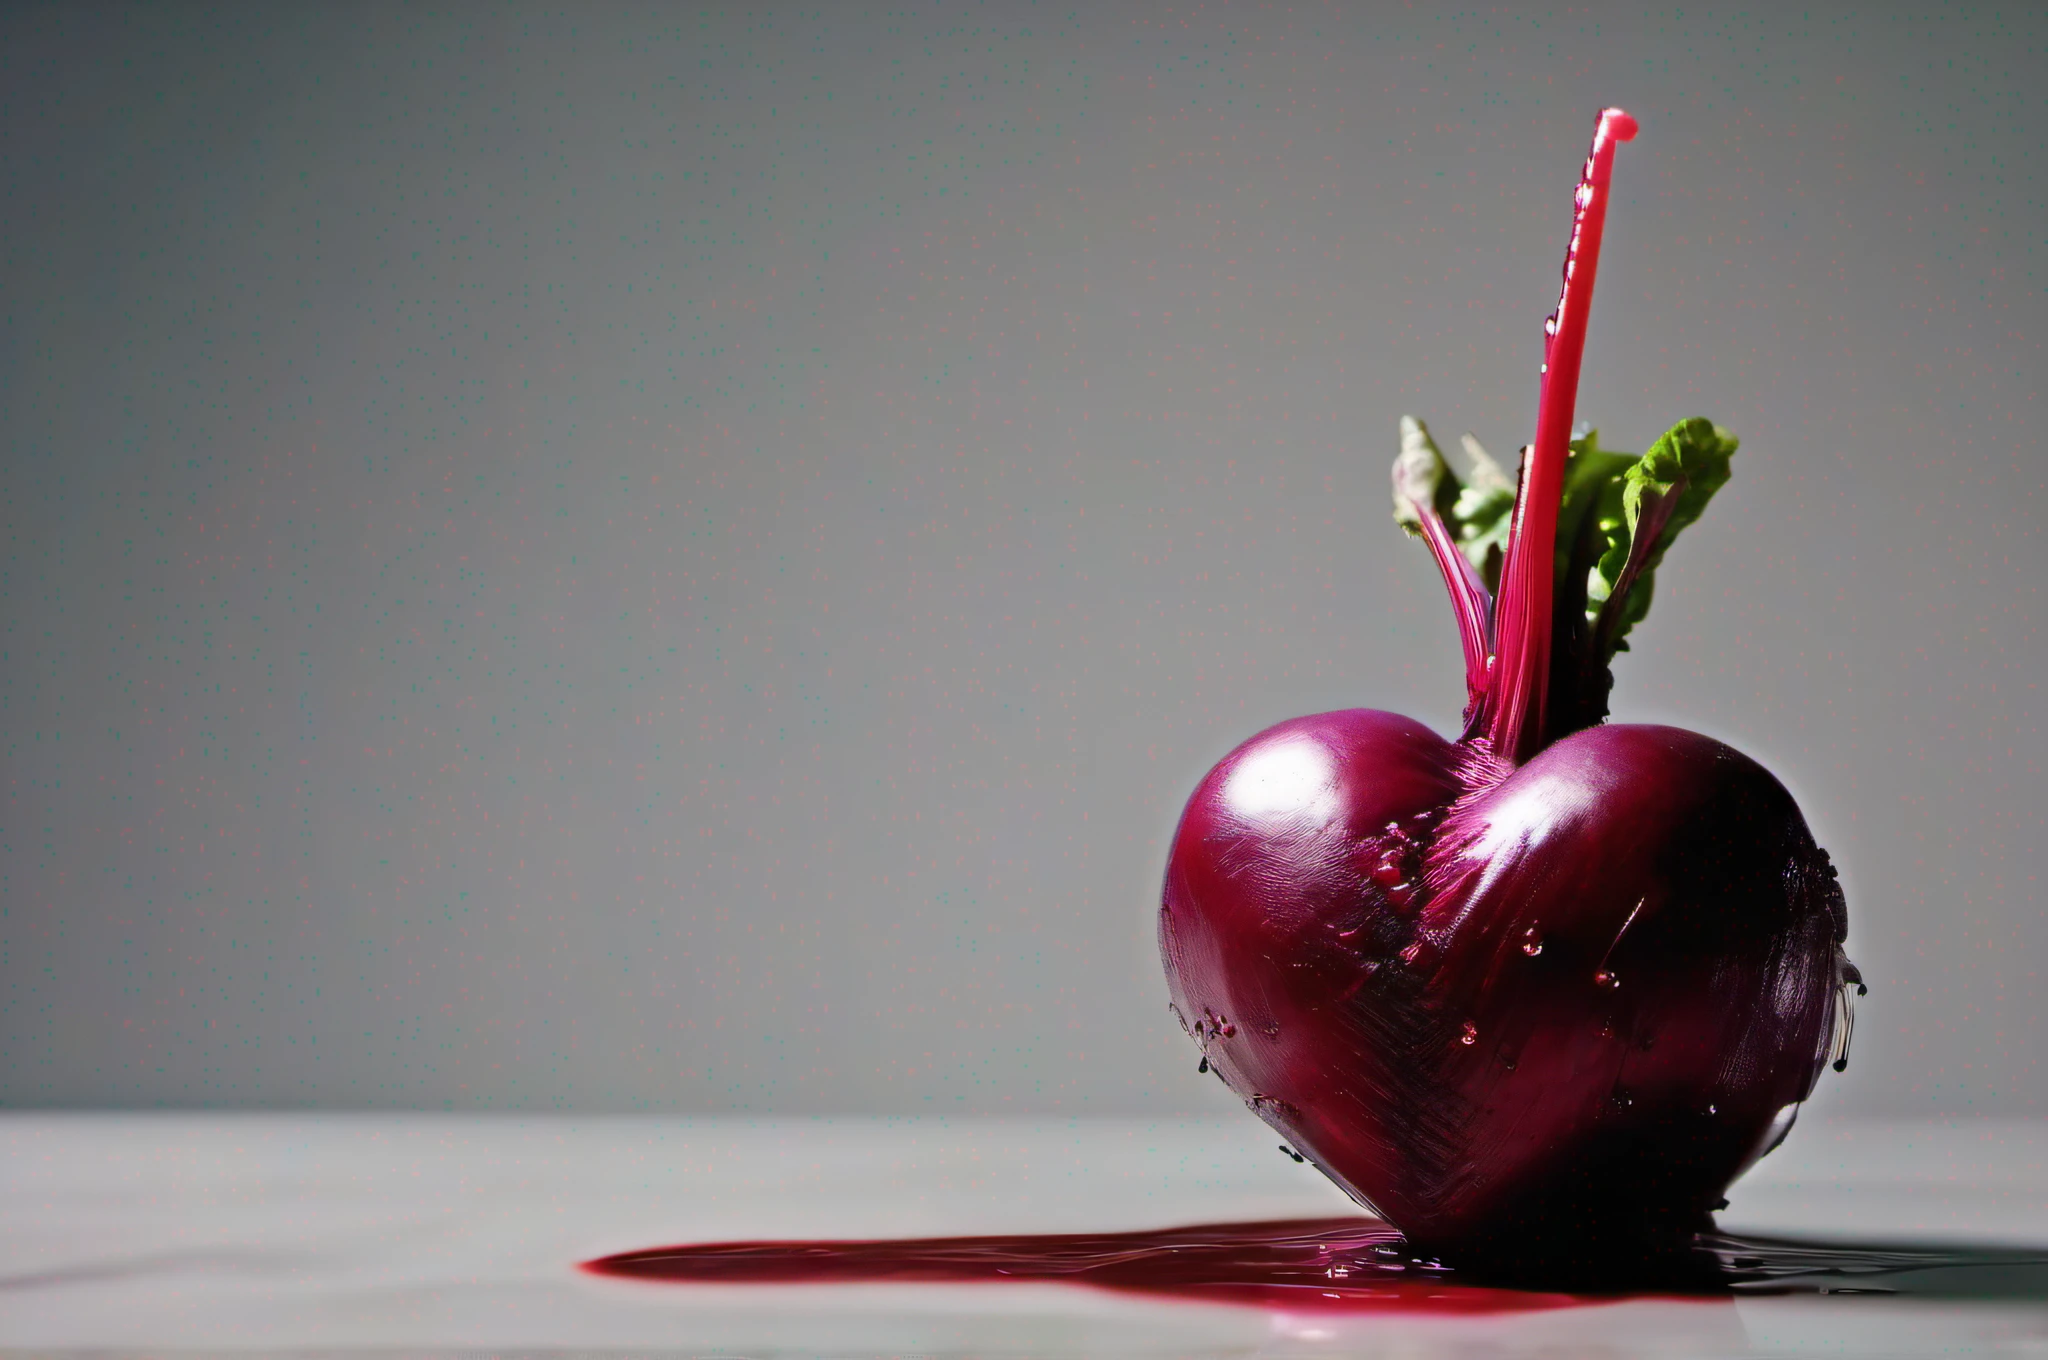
{"x": 1557, "y": 1011}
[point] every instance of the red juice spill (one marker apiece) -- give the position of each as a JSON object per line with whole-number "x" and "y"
{"x": 1291, "y": 1264}
{"x": 1335, "y": 1264}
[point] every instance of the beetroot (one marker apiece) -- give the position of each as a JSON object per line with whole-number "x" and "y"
{"x": 1536, "y": 995}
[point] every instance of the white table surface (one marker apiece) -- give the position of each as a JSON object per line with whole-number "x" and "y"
{"x": 458, "y": 1233}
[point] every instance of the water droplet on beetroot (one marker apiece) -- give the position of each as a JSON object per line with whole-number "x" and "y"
{"x": 1621, "y": 1099}
{"x": 1532, "y": 942}
{"x": 1606, "y": 977}
{"x": 1550, "y": 325}
{"x": 1471, "y": 1034}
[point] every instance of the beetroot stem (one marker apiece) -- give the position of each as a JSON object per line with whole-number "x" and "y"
{"x": 1421, "y": 482}
{"x": 1518, "y": 696}
{"x": 1469, "y": 600}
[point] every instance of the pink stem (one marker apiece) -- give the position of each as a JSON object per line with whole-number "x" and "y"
{"x": 1520, "y": 689}
{"x": 1469, "y": 601}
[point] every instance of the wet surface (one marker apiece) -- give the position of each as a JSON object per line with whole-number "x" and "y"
{"x": 460, "y": 1234}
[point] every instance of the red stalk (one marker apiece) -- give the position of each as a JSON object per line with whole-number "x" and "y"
{"x": 1469, "y": 601}
{"x": 1520, "y": 689}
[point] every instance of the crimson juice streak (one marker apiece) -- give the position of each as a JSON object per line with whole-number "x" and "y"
{"x": 1535, "y": 995}
{"x": 1346, "y": 1265}
{"x": 1336, "y": 1264}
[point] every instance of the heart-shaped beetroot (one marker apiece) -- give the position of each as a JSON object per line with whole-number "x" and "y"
{"x": 1559, "y": 1006}
{"x": 1536, "y": 995}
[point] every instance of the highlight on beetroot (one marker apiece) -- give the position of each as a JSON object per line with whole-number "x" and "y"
{"x": 1538, "y": 994}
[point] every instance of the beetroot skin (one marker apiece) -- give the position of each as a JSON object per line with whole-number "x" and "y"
{"x": 1536, "y": 995}
{"x": 1562, "y": 1008}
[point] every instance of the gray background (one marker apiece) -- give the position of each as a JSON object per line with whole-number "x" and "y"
{"x": 676, "y": 557}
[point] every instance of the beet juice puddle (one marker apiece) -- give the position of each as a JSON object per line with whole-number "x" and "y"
{"x": 1351, "y": 1265}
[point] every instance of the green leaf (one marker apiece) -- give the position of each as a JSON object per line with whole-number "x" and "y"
{"x": 1481, "y": 518}
{"x": 1477, "y": 510}
{"x": 1637, "y": 512}
{"x": 1619, "y": 512}
{"x": 1421, "y": 478}
{"x": 1483, "y": 513}
{"x": 1592, "y": 489}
